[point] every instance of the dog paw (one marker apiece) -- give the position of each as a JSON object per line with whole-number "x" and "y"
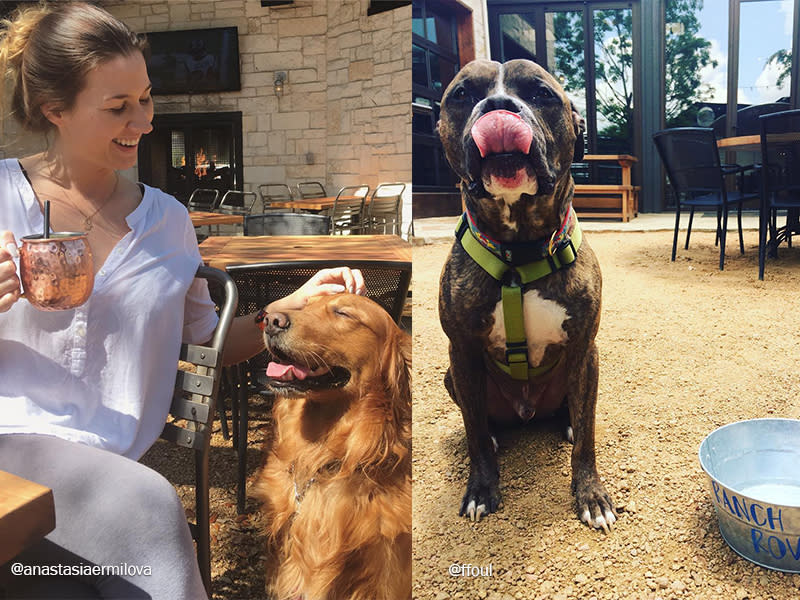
{"x": 595, "y": 508}
{"x": 479, "y": 501}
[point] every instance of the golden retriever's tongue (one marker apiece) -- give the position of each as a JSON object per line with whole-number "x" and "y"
{"x": 501, "y": 132}
{"x": 286, "y": 372}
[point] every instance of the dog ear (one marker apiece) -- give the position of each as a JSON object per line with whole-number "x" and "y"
{"x": 580, "y": 128}
{"x": 396, "y": 363}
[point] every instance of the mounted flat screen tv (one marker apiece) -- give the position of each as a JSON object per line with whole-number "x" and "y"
{"x": 194, "y": 61}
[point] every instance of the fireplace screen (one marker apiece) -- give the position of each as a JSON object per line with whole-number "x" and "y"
{"x": 186, "y": 152}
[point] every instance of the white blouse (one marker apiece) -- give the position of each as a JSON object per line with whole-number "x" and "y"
{"x": 103, "y": 374}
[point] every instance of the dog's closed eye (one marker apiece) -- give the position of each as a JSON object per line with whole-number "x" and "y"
{"x": 343, "y": 312}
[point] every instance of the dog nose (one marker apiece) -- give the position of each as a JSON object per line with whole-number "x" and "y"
{"x": 501, "y": 102}
{"x": 276, "y": 322}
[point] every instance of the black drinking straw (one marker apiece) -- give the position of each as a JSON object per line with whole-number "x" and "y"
{"x": 46, "y": 220}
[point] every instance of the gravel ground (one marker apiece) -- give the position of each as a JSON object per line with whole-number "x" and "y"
{"x": 237, "y": 543}
{"x": 684, "y": 348}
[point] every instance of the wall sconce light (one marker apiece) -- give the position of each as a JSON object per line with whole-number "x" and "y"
{"x": 280, "y": 79}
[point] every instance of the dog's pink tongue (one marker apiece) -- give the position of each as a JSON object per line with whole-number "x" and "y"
{"x": 501, "y": 131}
{"x": 284, "y": 372}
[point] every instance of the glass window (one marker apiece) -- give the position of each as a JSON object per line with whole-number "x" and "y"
{"x": 565, "y": 57}
{"x": 424, "y": 157}
{"x": 443, "y": 30}
{"x": 696, "y": 45}
{"x": 765, "y": 52}
{"x": 613, "y": 55}
{"x": 434, "y": 64}
{"x": 421, "y": 122}
{"x": 419, "y": 68}
{"x": 178, "y": 149}
{"x": 517, "y": 36}
{"x": 442, "y": 72}
{"x": 417, "y": 23}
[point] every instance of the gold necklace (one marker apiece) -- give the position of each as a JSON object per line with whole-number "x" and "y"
{"x": 87, "y": 220}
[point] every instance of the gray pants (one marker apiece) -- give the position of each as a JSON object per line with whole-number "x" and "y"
{"x": 110, "y": 511}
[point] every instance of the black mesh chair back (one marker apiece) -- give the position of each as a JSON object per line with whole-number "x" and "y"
{"x": 387, "y": 284}
{"x": 237, "y": 202}
{"x": 780, "y": 154}
{"x": 203, "y": 199}
{"x": 691, "y": 159}
{"x": 384, "y": 210}
{"x": 274, "y": 192}
{"x": 747, "y": 119}
{"x": 193, "y": 403}
{"x": 780, "y": 179}
{"x": 311, "y": 189}
{"x": 277, "y": 223}
{"x": 347, "y": 214}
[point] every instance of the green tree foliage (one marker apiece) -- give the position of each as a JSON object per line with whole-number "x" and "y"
{"x": 686, "y": 55}
{"x": 782, "y": 58}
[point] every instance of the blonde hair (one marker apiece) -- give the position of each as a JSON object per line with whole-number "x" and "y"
{"x": 46, "y": 52}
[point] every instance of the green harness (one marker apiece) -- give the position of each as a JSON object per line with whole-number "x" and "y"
{"x": 500, "y": 261}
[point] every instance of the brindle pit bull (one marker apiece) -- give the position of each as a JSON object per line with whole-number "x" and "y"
{"x": 510, "y": 133}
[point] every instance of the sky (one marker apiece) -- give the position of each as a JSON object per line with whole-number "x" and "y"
{"x": 766, "y": 26}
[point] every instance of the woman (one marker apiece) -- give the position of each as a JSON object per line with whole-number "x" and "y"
{"x": 84, "y": 391}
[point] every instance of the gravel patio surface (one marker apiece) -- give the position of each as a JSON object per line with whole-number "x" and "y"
{"x": 684, "y": 348}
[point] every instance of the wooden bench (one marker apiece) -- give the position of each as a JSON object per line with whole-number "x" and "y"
{"x": 608, "y": 200}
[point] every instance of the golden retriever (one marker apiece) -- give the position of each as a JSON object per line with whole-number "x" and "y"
{"x": 336, "y": 483}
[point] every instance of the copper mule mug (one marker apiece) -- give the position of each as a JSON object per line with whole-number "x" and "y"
{"x": 57, "y": 272}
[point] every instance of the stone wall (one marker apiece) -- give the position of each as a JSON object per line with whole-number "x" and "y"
{"x": 345, "y": 114}
{"x": 480, "y": 24}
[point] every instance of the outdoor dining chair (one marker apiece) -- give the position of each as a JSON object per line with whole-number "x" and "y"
{"x": 276, "y": 223}
{"x": 347, "y": 214}
{"x": 311, "y": 189}
{"x": 191, "y": 414}
{"x": 780, "y": 182}
{"x": 203, "y": 199}
{"x": 384, "y": 211}
{"x": 387, "y": 284}
{"x": 274, "y": 192}
{"x": 747, "y": 119}
{"x": 691, "y": 159}
{"x": 237, "y": 202}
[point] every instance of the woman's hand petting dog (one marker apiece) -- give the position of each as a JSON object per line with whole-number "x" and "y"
{"x": 324, "y": 283}
{"x": 336, "y": 484}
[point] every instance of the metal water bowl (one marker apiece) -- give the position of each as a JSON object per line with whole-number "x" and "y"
{"x": 754, "y": 472}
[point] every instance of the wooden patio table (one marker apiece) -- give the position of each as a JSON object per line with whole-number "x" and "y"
{"x": 222, "y": 252}
{"x": 27, "y": 514}
{"x": 752, "y": 143}
{"x": 314, "y": 204}
{"x": 202, "y": 219}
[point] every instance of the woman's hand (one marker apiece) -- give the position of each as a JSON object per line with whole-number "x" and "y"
{"x": 9, "y": 282}
{"x": 324, "y": 283}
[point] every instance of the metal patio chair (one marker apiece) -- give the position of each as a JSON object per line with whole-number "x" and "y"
{"x": 203, "y": 199}
{"x": 311, "y": 189}
{"x": 193, "y": 404}
{"x": 384, "y": 211}
{"x": 780, "y": 182}
{"x": 691, "y": 159}
{"x": 237, "y": 202}
{"x": 274, "y": 192}
{"x": 347, "y": 213}
{"x": 277, "y": 223}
